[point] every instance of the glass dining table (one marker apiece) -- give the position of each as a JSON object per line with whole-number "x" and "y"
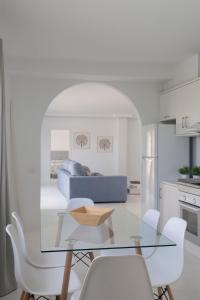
{"x": 122, "y": 230}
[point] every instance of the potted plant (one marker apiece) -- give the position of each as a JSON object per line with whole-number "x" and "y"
{"x": 184, "y": 172}
{"x": 196, "y": 172}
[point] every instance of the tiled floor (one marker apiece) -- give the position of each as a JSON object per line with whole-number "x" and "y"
{"x": 188, "y": 287}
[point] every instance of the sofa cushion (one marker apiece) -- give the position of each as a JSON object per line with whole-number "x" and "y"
{"x": 96, "y": 174}
{"x": 87, "y": 171}
{"x": 66, "y": 163}
{"x": 76, "y": 169}
{"x": 73, "y": 167}
{"x": 64, "y": 171}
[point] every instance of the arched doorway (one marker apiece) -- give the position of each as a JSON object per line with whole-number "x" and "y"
{"x": 95, "y": 112}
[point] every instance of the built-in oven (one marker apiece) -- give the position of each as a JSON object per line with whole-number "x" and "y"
{"x": 190, "y": 212}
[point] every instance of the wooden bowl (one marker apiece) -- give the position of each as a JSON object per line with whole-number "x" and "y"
{"x": 91, "y": 215}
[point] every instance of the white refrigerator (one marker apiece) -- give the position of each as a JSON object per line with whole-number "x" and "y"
{"x": 163, "y": 153}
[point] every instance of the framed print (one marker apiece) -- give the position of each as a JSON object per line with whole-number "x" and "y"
{"x": 81, "y": 140}
{"x": 105, "y": 144}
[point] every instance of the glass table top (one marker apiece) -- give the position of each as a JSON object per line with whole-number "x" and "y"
{"x": 61, "y": 232}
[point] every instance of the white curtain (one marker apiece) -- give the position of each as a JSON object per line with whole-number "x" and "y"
{"x": 7, "y": 280}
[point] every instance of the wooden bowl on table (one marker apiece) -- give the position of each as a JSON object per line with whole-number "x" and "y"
{"x": 91, "y": 215}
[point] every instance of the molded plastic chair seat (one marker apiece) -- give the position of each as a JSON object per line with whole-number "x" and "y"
{"x": 34, "y": 280}
{"x": 116, "y": 278}
{"x": 165, "y": 266}
{"x": 73, "y": 204}
{"x": 34, "y": 256}
{"x": 48, "y": 282}
{"x": 161, "y": 272}
{"x": 46, "y": 260}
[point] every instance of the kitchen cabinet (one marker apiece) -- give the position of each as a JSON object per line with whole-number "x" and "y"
{"x": 169, "y": 205}
{"x": 182, "y": 104}
{"x": 168, "y": 107}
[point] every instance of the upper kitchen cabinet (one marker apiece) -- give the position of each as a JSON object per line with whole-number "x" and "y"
{"x": 182, "y": 104}
{"x": 167, "y": 106}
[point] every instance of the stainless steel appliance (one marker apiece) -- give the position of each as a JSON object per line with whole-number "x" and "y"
{"x": 162, "y": 154}
{"x": 189, "y": 200}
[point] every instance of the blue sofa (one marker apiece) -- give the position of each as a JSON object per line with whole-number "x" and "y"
{"x": 74, "y": 183}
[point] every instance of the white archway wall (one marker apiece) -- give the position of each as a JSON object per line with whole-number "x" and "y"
{"x": 91, "y": 98}
{"x": 30, "y": 99}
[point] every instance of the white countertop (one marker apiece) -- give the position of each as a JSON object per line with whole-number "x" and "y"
{"x": 170, "y": 182}
{"x": 182, "y": 187}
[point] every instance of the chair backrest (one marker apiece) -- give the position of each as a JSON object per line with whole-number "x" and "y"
{"x": 20, "y": 264}
{"x": 20, "y": 231}
{"x": 117, "y": 277}
{"x": 151, "y": 217}
{"x": 78, "y": 202}
{"x": 174, "y": 229}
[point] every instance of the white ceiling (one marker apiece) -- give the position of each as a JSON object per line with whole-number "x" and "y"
{"x": 153, "y": 31}
{"x": 91, "y": 99}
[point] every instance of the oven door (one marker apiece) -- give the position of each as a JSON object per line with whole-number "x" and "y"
{"x": 191, "y": 214}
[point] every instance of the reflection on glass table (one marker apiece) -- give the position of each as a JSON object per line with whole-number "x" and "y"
{"x": 61, "y": 232}
{"x": 121, "y": 230}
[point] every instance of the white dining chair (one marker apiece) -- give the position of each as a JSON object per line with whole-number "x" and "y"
{"x": 37, "y": 281}
{"x": 34, "y": 256}
{"x": 116, "y": 278}
{"x": 165, "y": 266}
{"x": 75, "y": 203}
{"x": 78, "y": 202}
{"x": 46, "y": 260}
{"x": 151, "y": 217}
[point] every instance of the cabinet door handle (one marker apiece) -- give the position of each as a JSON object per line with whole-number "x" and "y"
{"x": 186, "y": 125}
{"x": 183, "y": 122}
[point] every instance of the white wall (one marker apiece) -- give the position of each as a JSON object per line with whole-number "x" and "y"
{"x": 60, "y": 140}
{"x": 30, "y": 99}
{"x": 133, "y": 149}
{"x": 121, "y": 144}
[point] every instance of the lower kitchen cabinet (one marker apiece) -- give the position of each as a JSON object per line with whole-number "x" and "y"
{"x": 169, "y": 205}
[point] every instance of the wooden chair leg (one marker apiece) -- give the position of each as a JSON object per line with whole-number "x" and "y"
{"x": 91, "y": 255}
{"x": 26, "y": 296}
{"x": 160, "y": 292}
{"x": 66, "y": 276}
{"x": 169, "y": 291}
{"x": 22, "y": 295}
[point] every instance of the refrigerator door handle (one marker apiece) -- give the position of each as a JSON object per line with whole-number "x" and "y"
{"x": 149, "y": 157}
{"x": 160, "y": 193}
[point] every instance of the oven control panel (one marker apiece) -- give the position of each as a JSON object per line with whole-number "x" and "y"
{"x": 189, "y": 198}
